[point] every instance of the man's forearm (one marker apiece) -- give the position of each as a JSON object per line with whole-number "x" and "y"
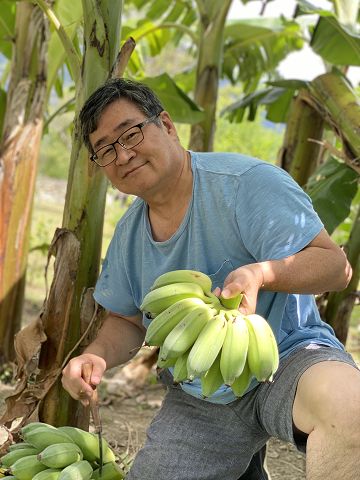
{"x": 313, "y": 270}
{"x": 117, "y": 342}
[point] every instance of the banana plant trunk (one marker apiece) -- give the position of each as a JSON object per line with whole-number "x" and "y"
{"x": 212, "y": 21}
{"x": 337, "y": 102}
{"x": 69, "y": 308}
{"x": 19, "y": 155}
{"x": 299, "y": 154}
{"x": 340, "y": 304}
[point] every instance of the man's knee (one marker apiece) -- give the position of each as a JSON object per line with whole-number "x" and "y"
{"x": 328, "y": 397}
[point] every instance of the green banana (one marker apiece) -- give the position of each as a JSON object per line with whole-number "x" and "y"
{"x": 235, "y": 347}
{"x": 81, "y": 470}
{"x": 184, "y": 276}
{"x": 156, "y": 301}
{"x": 263, "y": 354}
{"x": 43, "y": 436}
{"x": 180, "y": 369}
{"x": 19, "y": 446}
{"x": 11, "y": 457}
{"x": 163, "y": 323}
{"x": 212, "y": 380}
{"x": 241, "y": 383}
{"x": 31, "y": 426}
{"x": 27, "y": 467}
{"x": 48, "y": 474}
{"x": 231, "y": 303}
{"x": 88, "y": 444}
{"x": 60, "y": 455}
{"x": 110, "y": 471}
{"x": 207, "y": 346}
{"x": 163, "y": 362}
{"x": 86, "y": 441}
{"x": 182, "y": 337}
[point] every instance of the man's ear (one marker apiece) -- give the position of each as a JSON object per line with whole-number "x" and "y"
{"x": 167, "y": 122}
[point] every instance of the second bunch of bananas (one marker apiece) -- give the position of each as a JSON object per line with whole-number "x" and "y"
{"x": 203, "y": 336}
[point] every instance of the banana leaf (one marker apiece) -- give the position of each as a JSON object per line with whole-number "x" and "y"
{"x": 7, "y": 27}
{"x": 181, "y": 108}
{"x": 332, "y": 189}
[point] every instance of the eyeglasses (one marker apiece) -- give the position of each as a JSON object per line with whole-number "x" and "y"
{"x": 127, "y": 140}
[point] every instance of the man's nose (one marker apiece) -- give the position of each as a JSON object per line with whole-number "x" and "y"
{"x": 123, "y": 155}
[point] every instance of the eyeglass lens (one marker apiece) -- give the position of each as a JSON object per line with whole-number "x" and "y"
{"x": 129, "y": 139}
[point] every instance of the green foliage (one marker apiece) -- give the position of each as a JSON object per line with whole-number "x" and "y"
{"x": 7, "y": 25}
{"x": 332, "y": 188}
{"x": 249, "y": 138}
{"x": 334, "y": 38}
{"x": 54, "y": 156}
{"x": 176, "y": 102}
{"x": 276, "y": 98}
{"x": 254, "y": 138}
{"x": 255, "y": 47}
{"x": 56, "y": 142}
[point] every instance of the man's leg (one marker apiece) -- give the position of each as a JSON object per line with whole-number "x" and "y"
{"x": 191, "y": 439}
{"x": 327, "y": 408}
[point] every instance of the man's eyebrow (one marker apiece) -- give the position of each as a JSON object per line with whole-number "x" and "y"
{"x": 122, "y": 125}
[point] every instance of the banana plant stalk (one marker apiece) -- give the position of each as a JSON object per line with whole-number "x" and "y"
{"x": 336, "y": 100}
{"x": 22, "y": 131}
{"x": 79, "y": 239}
{"x": 299, "y": 154}
{"x": 212, "y": 21}
{"x": 340, "y": 304}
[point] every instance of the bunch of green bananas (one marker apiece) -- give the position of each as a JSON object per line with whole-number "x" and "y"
{"x": 203, "y": 336}
{"x": 63, "y": 453}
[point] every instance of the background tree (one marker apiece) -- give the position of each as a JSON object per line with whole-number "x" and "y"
{"x": 242, "y": 51}
{"x": 21, "y": 133}
{"x": 310, "y": 153}
{"x": 26, "y": 43}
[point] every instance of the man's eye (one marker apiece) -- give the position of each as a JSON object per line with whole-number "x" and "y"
{"x": 130, "y": 136}
{"x": 107, "y": 151}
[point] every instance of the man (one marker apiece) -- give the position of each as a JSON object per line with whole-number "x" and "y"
{"x": 248, "y": 226}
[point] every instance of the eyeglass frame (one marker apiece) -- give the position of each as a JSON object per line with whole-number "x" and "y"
{"x": 138, "y": 125}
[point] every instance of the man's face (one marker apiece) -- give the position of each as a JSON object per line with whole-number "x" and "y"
{"x": 144, "y": 169}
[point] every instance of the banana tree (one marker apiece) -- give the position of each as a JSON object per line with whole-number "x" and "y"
{"x": 69, "y": 316}
{"x": 337, "y": 102}
{"x": 328, "y": 99}
{"x": 239, "y": 51}
{"x": 208, "y": 72}
{"x": 33, "y": 71}
{"x": 20, "y": 142}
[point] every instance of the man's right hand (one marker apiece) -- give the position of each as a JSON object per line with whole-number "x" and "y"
{"x": 72, "y": 376}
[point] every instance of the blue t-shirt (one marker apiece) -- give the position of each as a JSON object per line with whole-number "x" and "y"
{"x": 242, "y": 211}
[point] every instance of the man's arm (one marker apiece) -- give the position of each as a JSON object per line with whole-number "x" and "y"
{"x": 320, "y": 267}
{"x": 118, "y": 340}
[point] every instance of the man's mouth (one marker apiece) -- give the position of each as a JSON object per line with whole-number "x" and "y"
{"x": 132, "y": 170}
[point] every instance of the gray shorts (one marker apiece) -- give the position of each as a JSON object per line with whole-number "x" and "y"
{"x": 190, "y": 439}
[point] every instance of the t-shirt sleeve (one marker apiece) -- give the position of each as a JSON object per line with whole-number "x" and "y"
{"x": 275, "y": 216}
{"x": 113, "y": 290}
